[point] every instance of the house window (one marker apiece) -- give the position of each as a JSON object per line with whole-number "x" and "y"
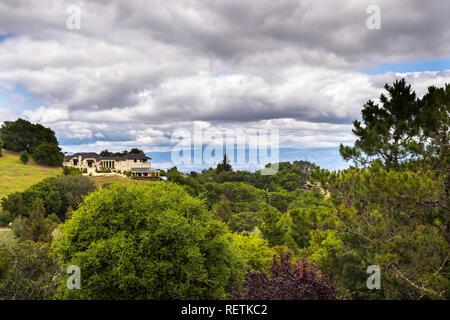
{"x": 135, "y": 160}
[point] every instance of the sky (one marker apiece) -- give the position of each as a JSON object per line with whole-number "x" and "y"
{"x": 122, "y": 74}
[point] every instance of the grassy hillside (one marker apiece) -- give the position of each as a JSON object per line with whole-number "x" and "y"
{"x": 15, "y": 176}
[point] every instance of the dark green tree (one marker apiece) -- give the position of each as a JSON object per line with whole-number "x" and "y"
{"x": 435, "y": 122}
{"x": 48, "y": 154}
{"x": 35, "y": 227}
{"x": 224, "y": 165}
{"x": 24, "y": 158}
{"x": 223, "y": 209}
{"x": 106, "y": 153}
{"x": 390, "y": 131}
{"x": 23, "y": 135}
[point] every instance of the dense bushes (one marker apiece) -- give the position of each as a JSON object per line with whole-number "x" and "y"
{"x": 57, "y": 194}
{"x": 28, "y": 272}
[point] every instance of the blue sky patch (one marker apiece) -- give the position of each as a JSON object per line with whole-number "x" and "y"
{"x": 413, "y": 66}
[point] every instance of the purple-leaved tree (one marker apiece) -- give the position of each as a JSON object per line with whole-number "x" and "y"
{"x": 287, "y": 281}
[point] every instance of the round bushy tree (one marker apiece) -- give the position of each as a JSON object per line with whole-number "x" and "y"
{"x": 24, "y": 158}
{"x": 147, "y": 242}
{"x": 48, "y": 154}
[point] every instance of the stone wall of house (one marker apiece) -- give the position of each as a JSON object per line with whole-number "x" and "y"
{"x": 124, "y": 165}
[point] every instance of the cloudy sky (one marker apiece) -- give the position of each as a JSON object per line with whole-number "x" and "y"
{"x": 136, "y": 71}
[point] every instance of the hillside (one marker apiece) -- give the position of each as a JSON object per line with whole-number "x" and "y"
{"x": 15, "y": 176}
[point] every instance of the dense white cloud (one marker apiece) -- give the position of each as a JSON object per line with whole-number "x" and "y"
{"x": 138, "y": 70}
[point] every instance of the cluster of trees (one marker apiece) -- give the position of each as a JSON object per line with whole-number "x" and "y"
{"x": 28, "y": 138}
{"x": 106, "y": 153}
{"x": 28, "y": 268}
{"x": 58, "y": 196}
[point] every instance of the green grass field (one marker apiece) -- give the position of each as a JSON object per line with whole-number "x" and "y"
{"x": 15, "y": 176}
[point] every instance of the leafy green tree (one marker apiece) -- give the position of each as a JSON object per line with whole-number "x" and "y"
{"x": 23, "y": 135}
{"x": 391, "y": 130}
{"x": 137, "y": 151}
{"x": 48, "y": 154}
{"x": 242, "y": 197}
{"x": 72, "y": 190}
{"x": 28, "y": 272}
{"x": 244, "y": 221}
{"x": 35, "y": 227}
{"x": 190, "y": 184}
{"x": 255, "y": 251}
{"x": 223, "y": 209}
{"x": 148, "y": 242}
{"x": 24, "y": 158}
{"x": 275, "y": 227}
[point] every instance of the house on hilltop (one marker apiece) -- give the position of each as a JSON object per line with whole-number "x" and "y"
{"x": 138, "y": 164}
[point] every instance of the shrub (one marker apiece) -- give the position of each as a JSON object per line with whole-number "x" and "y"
{"x": 127, "y": 173}
{"x": 148, "y": 242}
{"x": 68, "y": 171}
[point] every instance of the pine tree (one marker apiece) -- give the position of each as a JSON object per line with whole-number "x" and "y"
{"x": 35, "y": 227}
{"x": 391, "y": 130}
{"x": 224, "y": 166}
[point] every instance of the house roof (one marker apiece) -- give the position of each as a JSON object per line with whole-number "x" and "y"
{"x": 98, "y": 157}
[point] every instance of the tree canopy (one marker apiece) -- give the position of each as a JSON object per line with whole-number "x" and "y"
{"x": 148, "y": 242}
{"x": 23, "y": 135}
